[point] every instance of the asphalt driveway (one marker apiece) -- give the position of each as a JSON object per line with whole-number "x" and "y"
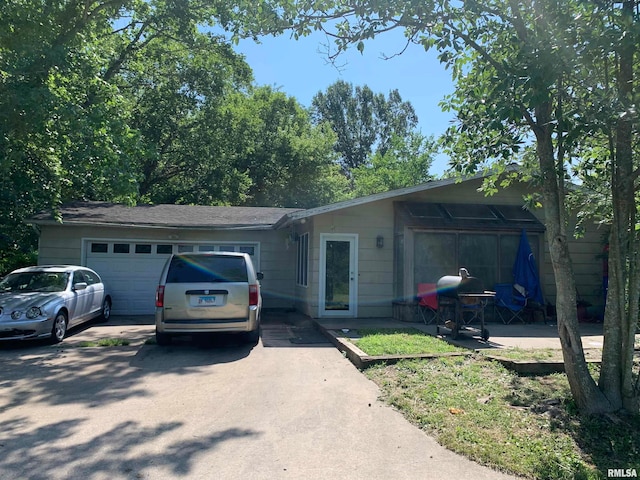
{"x": 291, "y": 407}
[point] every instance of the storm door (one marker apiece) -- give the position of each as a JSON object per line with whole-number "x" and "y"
{"x": 338, "y": 275}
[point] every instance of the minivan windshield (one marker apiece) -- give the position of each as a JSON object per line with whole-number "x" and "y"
{"x": 207, "y": 268}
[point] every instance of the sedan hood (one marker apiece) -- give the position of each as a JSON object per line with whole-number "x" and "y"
{"x": 21, "y": 301}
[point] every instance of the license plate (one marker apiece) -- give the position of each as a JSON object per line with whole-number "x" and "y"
{"x": 208, "y": 300}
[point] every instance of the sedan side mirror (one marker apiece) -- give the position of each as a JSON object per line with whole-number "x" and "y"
{"x": 80, "y": 286}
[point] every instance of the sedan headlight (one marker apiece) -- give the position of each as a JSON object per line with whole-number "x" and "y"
{"x": 16, "y": 314}
{"x": 34, "y": 312}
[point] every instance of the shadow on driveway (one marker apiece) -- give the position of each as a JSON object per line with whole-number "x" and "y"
{"x": 73, "y": 381}
{"x": 36, "y": 454}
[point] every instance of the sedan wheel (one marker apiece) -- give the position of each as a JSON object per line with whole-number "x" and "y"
{"x": 59, "y": 329}
{"x": 106, "y": 311}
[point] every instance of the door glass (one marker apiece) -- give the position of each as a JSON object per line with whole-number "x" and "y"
{"x": 337, "y": 275}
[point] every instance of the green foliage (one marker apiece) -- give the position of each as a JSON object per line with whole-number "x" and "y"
{"x": 365, "y": 123}
{"x": 272, "y": 140}
{"x": 405, "y": 341}
{"x": 135, "y": 101}
{"x": 16, "y": 256}
{"x": 524, "y": 425}
{"x": 180, "y": 115}
{"x": 402, "y": 165}
{"x": 105, "y": 342}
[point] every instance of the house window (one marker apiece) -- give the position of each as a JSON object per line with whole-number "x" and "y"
{"x": 302, "y": 270}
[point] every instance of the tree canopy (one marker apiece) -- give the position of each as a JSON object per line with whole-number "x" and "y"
{"x": 138, "y": 101}
{"x": 363, "y": 121}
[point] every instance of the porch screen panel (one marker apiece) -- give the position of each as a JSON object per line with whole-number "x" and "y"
{"x": 434, "y": 256}
{"x": 508, "y": 251}
{"x": 479, "y": 255}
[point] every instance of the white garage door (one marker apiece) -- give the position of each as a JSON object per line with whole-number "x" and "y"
{"x": 131, "y": 270}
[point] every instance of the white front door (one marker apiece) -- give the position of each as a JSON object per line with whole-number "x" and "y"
{"x": 338, "y": 275}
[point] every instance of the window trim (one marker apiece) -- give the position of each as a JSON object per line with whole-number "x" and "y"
{"x": 302, "y": 260}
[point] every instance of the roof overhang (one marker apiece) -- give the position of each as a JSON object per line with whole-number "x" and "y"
{"x": 447, "y": 216}
{"x": 193, "y": 217}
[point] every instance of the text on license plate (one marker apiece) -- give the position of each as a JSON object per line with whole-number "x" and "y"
{"x": 208, "y": 300}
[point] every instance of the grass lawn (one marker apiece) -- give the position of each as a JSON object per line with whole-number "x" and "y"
{"x": 105, "y": 342}
{"x": 524, "y": 425}
{"x": 405, "y": 341}
{"x": 539, "y": 354}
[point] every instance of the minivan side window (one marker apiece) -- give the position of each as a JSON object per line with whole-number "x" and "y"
{"x": 202, "y": 269}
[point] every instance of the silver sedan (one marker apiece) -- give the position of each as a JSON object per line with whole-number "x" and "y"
{"x": 45, "y": 301}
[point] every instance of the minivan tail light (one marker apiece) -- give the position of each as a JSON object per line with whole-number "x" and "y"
{"x": 160, "y": 296}
{"x": 254, "y": 294}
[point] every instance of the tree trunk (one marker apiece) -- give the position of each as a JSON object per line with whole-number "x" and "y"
{"x": 586, "y": 394}
{"x": 610, "y": 381}
{"x": 621, "y": 315}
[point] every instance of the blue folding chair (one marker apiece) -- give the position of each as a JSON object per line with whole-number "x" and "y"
{"x": 509, "y": 304}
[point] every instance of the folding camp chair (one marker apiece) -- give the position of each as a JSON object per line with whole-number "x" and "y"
{"x": 427, "y": 302}
{"x": 472, "y": 310}
{"x": 509, "y": 304}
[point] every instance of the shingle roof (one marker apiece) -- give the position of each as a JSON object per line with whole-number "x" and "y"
{"x": 159, "y": 216}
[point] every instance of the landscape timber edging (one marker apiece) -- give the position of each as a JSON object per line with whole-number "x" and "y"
{"x": 361, "y": 360}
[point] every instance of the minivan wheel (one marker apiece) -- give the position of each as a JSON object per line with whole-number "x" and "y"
{"x": 163, "y": 339}
{"x": 253, "y": 336}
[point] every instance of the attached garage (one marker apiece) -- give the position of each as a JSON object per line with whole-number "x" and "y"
{"x": 132, "y": 268}
{"x": 128, "y": 246}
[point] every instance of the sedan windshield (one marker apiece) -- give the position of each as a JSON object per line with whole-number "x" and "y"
{"x": 34, "y": 282}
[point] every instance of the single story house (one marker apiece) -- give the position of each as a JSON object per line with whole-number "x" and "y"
{"x": 348, "y": 259}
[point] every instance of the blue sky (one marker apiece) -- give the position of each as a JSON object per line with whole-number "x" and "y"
{"x": 301, "y": 69}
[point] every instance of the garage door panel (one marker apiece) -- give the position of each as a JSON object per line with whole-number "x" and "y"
{"x": 132, "y": 277}
{"x": 131, "y": 281}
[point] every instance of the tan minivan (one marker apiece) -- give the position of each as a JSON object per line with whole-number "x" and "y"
{"x": 206, "y": 293}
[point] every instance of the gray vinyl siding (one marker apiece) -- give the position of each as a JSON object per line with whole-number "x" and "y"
{"x": 376, "y": 266}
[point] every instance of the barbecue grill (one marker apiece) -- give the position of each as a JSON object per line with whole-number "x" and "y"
{"x": 459, "y": 295}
